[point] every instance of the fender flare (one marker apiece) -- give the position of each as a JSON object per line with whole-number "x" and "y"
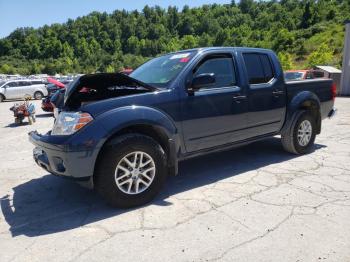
{"x": 299, "y": 102}
{"x": 121, "y": 118}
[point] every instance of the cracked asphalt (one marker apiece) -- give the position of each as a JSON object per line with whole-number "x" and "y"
{"x": 255, "y": 203}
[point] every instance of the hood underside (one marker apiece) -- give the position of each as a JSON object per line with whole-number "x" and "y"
{"x": 93, "y": 87}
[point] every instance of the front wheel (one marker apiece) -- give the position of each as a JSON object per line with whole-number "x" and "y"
{"x": 300, "y": 137}
{"x": 131, "y": 171}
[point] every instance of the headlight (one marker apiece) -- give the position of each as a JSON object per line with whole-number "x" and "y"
{"x": 68, "y": 123}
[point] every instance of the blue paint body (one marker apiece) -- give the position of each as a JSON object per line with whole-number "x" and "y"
{"x": 209, "y": 120}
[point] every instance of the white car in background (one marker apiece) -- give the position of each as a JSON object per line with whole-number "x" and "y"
{"x": 18, "y": 89}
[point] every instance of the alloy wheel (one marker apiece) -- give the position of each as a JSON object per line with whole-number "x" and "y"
{"x": 135, "y": 172}
{"x": 304, "y": 132}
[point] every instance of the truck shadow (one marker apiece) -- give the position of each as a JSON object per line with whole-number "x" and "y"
{"x": 50, "y": 204}
{"x": 44, "y": 115}
{"x": 12, "y": 125}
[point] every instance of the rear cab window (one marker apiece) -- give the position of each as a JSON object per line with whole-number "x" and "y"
{"x": 259, "y": 68}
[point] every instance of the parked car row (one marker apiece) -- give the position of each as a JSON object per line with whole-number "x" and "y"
{"x": 18, "y": 89}
{"x": 21, "y": 88}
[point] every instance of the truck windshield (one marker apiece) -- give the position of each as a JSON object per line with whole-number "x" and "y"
{"x": 160, "y": 71}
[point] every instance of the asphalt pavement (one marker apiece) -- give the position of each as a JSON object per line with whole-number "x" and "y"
{"x": 255, "y": 203}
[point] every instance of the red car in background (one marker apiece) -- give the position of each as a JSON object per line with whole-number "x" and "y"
{"x": 294, "y": 75}
{"x": 126, "y": 71}
{"x": 46, "y": 104}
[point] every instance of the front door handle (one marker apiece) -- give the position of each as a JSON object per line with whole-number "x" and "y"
{"x": 238, "y": 97}
{"x": 277, "y": 93}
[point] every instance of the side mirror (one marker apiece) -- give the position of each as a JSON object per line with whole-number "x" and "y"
{"x": 201, "y": 81}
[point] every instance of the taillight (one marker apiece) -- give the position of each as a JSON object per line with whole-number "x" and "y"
{"x": 334, "y": 91}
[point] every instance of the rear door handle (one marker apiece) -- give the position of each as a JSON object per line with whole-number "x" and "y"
{"x": 239, "y": 98}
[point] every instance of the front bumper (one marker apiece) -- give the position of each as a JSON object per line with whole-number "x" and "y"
{"x": 56, "y": 158}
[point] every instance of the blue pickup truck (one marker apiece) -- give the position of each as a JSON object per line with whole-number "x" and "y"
{"x": 123, "y": 135}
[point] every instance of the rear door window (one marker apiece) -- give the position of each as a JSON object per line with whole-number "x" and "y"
{"x": 267, "y": 67}
{"x": 24, "y": 83}
{"x": 259, "y": 68}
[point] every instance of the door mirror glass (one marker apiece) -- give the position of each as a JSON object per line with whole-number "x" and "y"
{"x": 201, "y": 81}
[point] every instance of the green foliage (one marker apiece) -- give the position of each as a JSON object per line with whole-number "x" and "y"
{"x": 286, "y": 60}
{"x": 300, "y": 31}
{"x": 6, "y": 69}
{"x": 322, "y": 56}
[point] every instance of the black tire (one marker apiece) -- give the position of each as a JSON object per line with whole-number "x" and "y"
{"x": 38, "y": 95}
{"x": 104, "y": 177}
{"x": 2, "y": 98}
{"x": 290, "y": 140}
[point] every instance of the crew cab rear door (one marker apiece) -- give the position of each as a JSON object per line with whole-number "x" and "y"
{"x": 215, "y": 115}
{"x": 266, "y": 94}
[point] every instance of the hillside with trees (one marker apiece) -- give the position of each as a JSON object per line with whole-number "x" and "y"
{"x": 302, "y": 33}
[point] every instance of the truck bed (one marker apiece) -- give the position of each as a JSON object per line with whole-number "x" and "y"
{"x": 321, "y": 87}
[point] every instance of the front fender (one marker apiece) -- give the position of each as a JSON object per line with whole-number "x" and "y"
{"x": 92, "y": 137}
{"x": 119, "y": 118}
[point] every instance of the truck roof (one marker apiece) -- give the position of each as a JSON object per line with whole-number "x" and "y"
{"x": 247, "y": 49}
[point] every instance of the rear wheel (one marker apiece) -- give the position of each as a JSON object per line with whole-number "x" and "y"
{"x": 38, "y": 95}
{"x": 131, "y": 171}
{"x": 300, "y": 138}
{"x": 2, "y": 98}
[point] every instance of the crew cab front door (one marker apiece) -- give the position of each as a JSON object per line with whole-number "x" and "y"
{"x": 215, "y": 115}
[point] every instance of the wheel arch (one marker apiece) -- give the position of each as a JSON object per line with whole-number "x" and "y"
{"x": 157, "y": 125}
{"x": 307, "y": 101}
{"x": 38, "y": 91}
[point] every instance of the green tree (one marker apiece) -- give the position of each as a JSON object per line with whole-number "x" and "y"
{"x": 100, "y": 41}
{"x": 286, "y": 60}
{"x": 322, "y": 56}
{"x": 283, "y": 41}
{"x": 133, "y": 45}
{"x": 6, "y": 69}
{"x": 110, "y": 69}
{"x": 307, "y": 15}
{"x": 188, "y": 41}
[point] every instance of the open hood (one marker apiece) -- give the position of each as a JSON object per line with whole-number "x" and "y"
{"x": 93, "y": 87}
